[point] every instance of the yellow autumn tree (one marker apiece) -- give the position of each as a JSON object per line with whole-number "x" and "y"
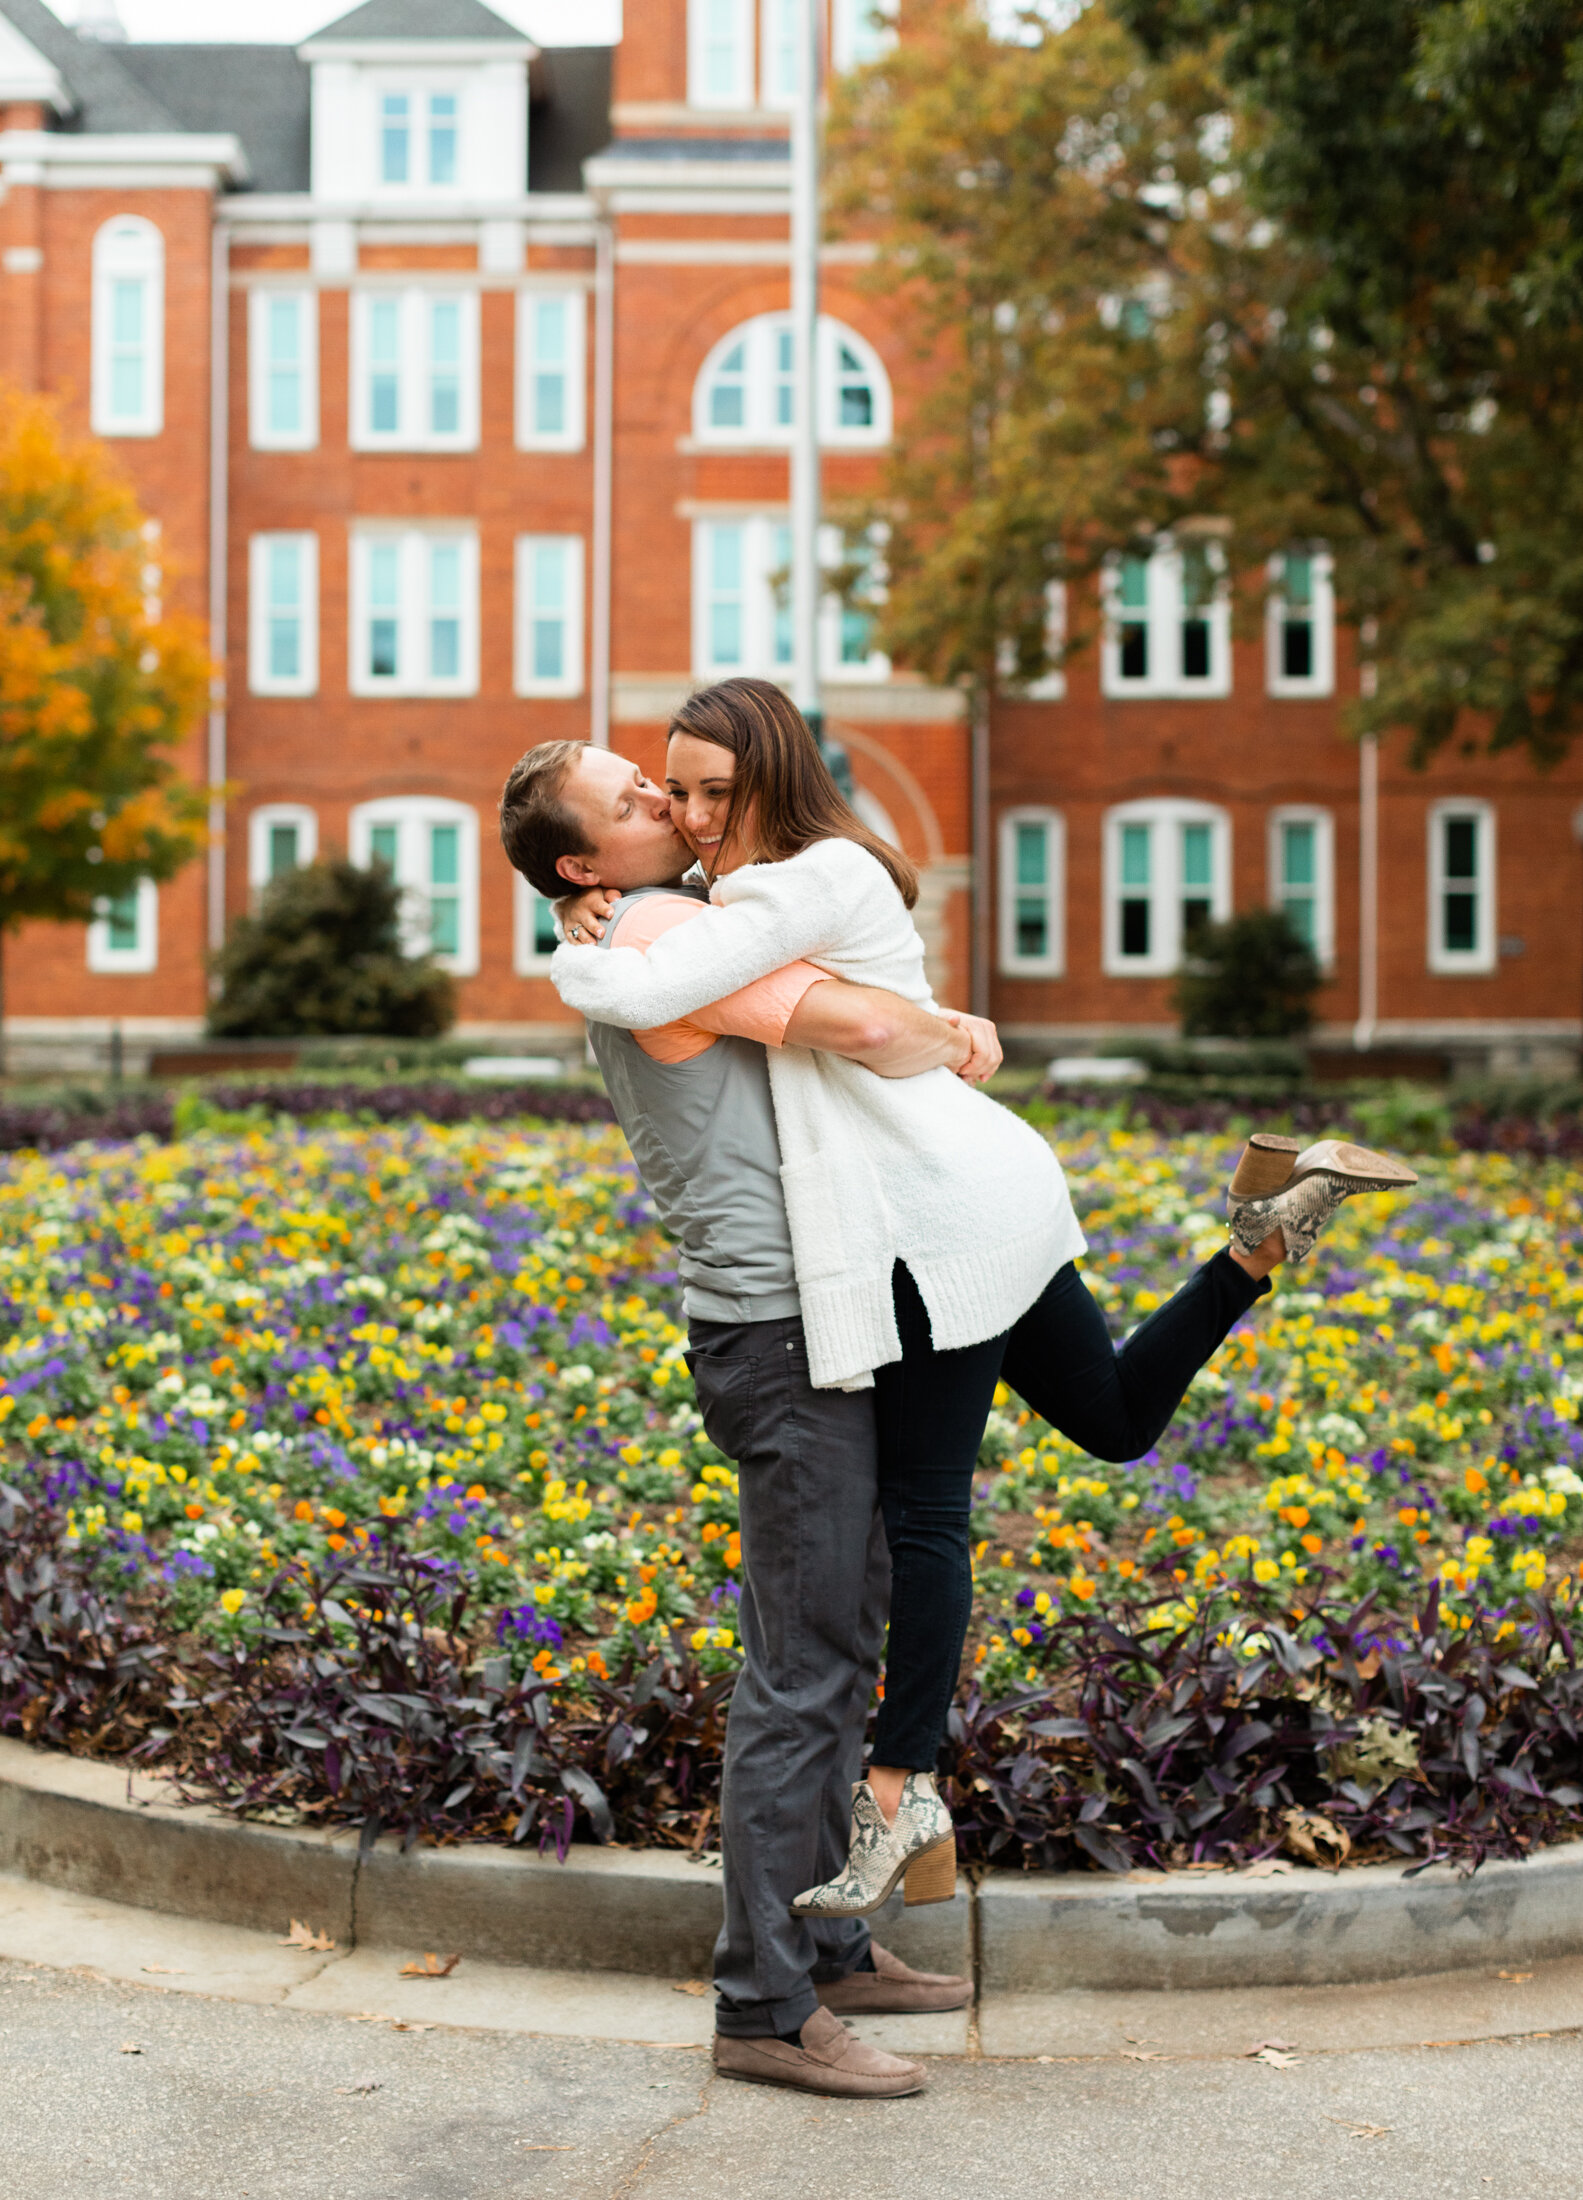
{"x": 98, "y": 686}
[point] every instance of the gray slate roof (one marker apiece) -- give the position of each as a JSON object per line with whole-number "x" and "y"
{"x": 422, "y": 19}
{"x": 107, "y": 97}
{"x": 260, "y": 92}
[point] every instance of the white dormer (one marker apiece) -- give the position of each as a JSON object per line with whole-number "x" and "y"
{"x": 419, "y": 102}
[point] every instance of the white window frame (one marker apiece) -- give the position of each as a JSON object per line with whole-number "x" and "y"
{"x": 262, "y": 822}
{"x": 1163, "y": 621}
{"x": 1324, "y": 889}
{"x": 412, "y": 609}
{"x": 260, "y": 679}
{"x": 412, "y": 816}
{"x": 569, "y": 681}
{"x": 260, "y": 308}
{"x": 573, "y": 431}
{"x": 419, "y": 92}
{"x": 1482, "y": 957}
{"x": 766, "y": 548}
{"x": 760, "y": 428}
{"x": 780, "y": 26}
{"x": 1321, "y": 681}
{"x": 1164, "y": 958}
{"x": 415, "y": 368}
{"x": 739, "y": 93}
{"x": 128, "y": 249}
{"x": 138, "y": 961}
{"x": 1052, "y": 963}
{"x": 854, "y": 40}
{"x": 526, "y": 959}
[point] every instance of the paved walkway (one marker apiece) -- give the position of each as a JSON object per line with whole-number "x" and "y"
{"x": 237, "y": 2091}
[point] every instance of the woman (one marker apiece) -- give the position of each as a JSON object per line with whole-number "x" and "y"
{"x": 932, "y": 1231}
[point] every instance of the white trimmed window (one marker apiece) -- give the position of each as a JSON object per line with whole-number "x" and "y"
{"x": 550, "y": 370}
{"x": 128, "y": 328}
{"x": 1302, "y": 852}
{"x": 1461, "y": 887}
{"x": 1167, "y": 623}
{"x": 281, "y": 837}
{"x": 418, "y": 138}
{"x": 414, "y": 628}
{"x": 742, "y": 611}
{"x": 124, "y": 934}
{"x": 746, "y": 392}
{"x": 720, "y": 53}
{"x": 415, "y": 370}
{"x": 1300, "y": 626}
{"x": 1167, "y": 873}
{"x": 283, "y": 370}
{"x": 549, "y": 615}
{"x": 283, "y": 640}
{"x": 780, "y": 34}
{"x": 1032, "y": 894}
{"x": 430, "y": 848}
{"x": 1050, "y": 687}
{"x": 532, "y": 928}
{"x": 861, "y": 31}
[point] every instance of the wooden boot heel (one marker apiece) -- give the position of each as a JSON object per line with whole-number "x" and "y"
{"x": 1266, "y": 1164}
{"x": 931, "y": 1877}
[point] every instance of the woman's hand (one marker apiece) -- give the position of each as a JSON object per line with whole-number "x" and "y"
{"x": 583, "y": 916}
{"x": 984, "y": 1042}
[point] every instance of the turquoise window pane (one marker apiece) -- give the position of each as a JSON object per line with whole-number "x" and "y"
{"x": 126, "y": 386}
{"x": 444, "y": 855}
{"x": 549, "y": 577}
{"x": 1134, "y": 584}
{"x": 1135, "y": 855}
{"x": 1300, "y": 915}
{"x": 549, "y": 649}
{"x": 726, "y": 557}
{"x": 445, "y": 924}
{"x": 1297, "y": 582}
{"x": 285, "y": 575}
{"x": 549, "y": 404}
{"x": 384, "y": 331}
{"x": 544, "y": 940}
{"x": 1297, "y": 855}
{"x": 1195, "y": 855}
{"x": 1032, "y": 855}
{"x": 126, "y": 313}
{"x": 285, "y": 646}
{"x": 549, "y": 332}
{"x": 383, "y": 571}
{"x": 445, "y": 577}
{"x": 282, "y": 849}
{"x": 121, "y": 924}
{"x": 442, "y": 138}
{"x": 445, "y": 649}
{"x": 725, "y": 634}
{"x": 395, "y": 138}
{"x": 382, "y": 845}
{"x": 285, "y": 331}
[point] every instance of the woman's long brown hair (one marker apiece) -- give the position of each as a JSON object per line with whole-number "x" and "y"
{"x": 780, "y": 771}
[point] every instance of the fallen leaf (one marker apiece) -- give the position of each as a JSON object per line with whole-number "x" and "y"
{"x": 414, "y": 2028}
{"x": 1316, "y": 1838}
{"x": 1267, "y": 1867}
{"x": 169, "y": 1970}
{"x": 1516, "y": 1978}
{"x": 370, "y": 2085}
{"x": 1281, "y": 2047}
{"x": 1360, "y": 2131}
{"x": 369, "y": 2016}
{"x": 301, "y": 1937}
{"x": 691, "y": 1986}
{"x": 431, "y": 1967}
{"x": 130, "y": 2047}
{"x": 1274, "y": 2057}
{"x": 1141, "y": 2054}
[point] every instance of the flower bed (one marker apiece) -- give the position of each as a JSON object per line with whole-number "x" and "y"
{"x": 356, "y": 1473}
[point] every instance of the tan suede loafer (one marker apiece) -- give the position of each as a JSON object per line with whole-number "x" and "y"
{"x": 891, "y": 1989}
{"x": 829, "y": 2060}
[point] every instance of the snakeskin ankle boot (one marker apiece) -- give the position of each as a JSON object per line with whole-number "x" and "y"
{"x": 920, "y": 1847}
{"x": 1278, "y": 1188}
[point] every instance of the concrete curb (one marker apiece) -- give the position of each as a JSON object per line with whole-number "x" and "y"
{"x": 90, "y": 1828}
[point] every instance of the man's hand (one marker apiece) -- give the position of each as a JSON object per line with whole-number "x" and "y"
{"x": 985, "y": 1056}
{"x": 582, "y": 916}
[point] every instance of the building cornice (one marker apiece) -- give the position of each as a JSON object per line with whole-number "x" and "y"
{"x": 383, "y": 53}
{"x": 538, "y": 209}
{"x": 122, "y": 160}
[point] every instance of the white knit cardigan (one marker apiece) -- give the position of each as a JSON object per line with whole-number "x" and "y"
{"x": 924, "y": 1170}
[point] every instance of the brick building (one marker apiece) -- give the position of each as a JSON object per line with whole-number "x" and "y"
{"x": 455, "y": 375}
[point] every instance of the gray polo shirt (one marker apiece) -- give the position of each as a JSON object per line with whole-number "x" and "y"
{"x": 703, "y": 1135}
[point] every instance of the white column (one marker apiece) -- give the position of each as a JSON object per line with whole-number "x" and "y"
{"x": 219, "y": 559}
{"x": 1368, "y": 893}
{"x": 604, "y": 484}
{"x": 805, "y": 333}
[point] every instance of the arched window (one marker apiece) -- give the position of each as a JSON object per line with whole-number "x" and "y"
{"x": 746, "y": 391}
{"x": 128, "y": 328}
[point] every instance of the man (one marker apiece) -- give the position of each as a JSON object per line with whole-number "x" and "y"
{"x": 694, "y": 1100}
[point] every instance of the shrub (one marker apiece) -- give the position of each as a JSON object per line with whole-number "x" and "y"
{"x": 323, "y": 954}
{"x": 1252, "y": 977}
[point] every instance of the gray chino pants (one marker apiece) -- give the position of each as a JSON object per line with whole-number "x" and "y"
{"x": 815, "y": 1591}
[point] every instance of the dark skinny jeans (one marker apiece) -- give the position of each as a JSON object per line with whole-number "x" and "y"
{"x": 1114, "y": 1400}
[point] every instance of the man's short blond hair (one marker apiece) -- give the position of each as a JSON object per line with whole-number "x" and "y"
{"x": 537, "y": 824}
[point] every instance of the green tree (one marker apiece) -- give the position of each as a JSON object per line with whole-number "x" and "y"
{"x": 1252, "y": 977}
{"x": 321, "y": 956}
{"x": 97, "y": 689}
{"x": 1311, "y": 271}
